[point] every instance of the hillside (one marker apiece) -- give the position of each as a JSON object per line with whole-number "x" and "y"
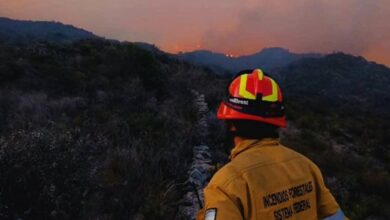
{"x": 341, "y": 79}
{"x": 101, "y": 129}
{"x": 18, "y": 31}
{"x": 268, "y": 59}
{"x": 339, "y": 113}
{"x": 96, "y": 129}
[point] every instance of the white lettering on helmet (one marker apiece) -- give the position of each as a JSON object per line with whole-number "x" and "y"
{"x": 238, "y": 101}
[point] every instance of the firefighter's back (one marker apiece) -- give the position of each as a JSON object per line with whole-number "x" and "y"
{"x": 269, "y": 181}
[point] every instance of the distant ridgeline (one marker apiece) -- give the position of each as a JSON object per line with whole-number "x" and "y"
{"x": 268, "y": 59}
{"x": 17, "y": 31}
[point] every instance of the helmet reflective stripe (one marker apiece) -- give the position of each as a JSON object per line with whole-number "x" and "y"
{"x": 243, "y": 92}
{"x": 260, "y": 74}
{"x": 274, "y": 95}
{"x": 338, "y": 216}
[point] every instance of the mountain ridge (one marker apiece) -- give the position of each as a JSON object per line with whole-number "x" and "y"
{"x": 26, "y": 31}
{"x": 268, "y": 59}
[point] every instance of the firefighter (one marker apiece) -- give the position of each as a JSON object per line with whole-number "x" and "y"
{"x": 264, "y": 179}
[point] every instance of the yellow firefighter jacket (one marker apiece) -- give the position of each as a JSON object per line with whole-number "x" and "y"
{"x": 265, "y": 180}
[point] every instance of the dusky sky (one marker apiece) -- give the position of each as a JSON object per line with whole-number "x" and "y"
{"x": 359, "y": 27}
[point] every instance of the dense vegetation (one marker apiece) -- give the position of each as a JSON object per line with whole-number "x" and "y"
{"x": 104, "y": 130}
{"x": 339, "y": 114}
{"x": 95, "y": 130}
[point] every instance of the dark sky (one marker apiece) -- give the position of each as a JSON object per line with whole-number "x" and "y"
{"x": 360, "y": 27}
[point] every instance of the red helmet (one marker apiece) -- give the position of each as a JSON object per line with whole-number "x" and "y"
{"x": 254, "y": 96}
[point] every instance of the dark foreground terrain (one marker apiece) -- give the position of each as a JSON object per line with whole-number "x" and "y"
{"x": 103, "y": 130}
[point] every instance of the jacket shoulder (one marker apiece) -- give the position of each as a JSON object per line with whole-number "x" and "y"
{"x": 252, "y": 159}
{"x": 225, "y": 175}
{"x": 296, "y": 154}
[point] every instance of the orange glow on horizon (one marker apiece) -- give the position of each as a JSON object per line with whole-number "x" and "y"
{"x": 229, "y": 27}
{"x": 371, "y": 54}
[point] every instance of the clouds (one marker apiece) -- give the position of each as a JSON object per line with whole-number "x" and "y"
{"x": 238, "y": 26}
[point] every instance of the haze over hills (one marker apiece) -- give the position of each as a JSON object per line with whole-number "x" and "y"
{"x": 18, "y": 31}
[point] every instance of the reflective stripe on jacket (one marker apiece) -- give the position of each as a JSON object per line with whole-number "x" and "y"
{"x": 265, "y": 180}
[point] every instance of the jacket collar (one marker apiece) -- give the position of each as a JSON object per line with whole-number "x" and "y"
{"x": 249, "y": 143}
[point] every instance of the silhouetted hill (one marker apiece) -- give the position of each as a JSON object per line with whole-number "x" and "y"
{"x": 18, "y": 31}
{"x": 268, "y": 59}
{"x": 340, "y": 79}
{"x": 149, "y": 47}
